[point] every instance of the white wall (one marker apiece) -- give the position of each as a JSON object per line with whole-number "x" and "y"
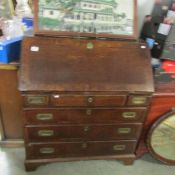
{"x": 144, "y": 8}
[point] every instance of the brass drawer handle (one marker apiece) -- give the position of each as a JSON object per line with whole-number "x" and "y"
{"x": 47, "y": 150}
{"x": 86, "y": 128}
{"x": 88, "y": 112}
{"x": 46, "y": 133}
{"x": 84, "y": 146}
{"x": 124, "y": 130}
{"x": 139, "y": 100}
{"x": 90, "y": 100}
{"x": 36, "y": 100}
{"x": 119, "y": 147}
{"x": 90, "y": 46}
{"x": 44, "y": 117}
{"x": 129, "y": 115}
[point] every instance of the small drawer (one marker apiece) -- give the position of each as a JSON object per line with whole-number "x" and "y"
{"x": 80, "y": 100}
{"x": 79, "y": 132}
{"x": 84, "y": 115}
{"x": 79, "y": 149}
{"x": 138, "y": 100}
{"x": 36, "y": 100}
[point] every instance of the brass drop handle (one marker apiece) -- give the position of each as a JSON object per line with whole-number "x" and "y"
{"x": 139, "y": 100}
{"x": 36, "y": 100}
{"x": 84, "y": 146}
{"x": 129, "y": 115}
{"x": 124, "y": 130}
{"x": 88, "y": 112}
{"x": 44, "y": 117}
{"x": 45, "y": 133}
{"x": 90, "y": 45}
{"x": 90, "y": 100}
{"x": 47, "y": 150}
{"x": 119, "y": 147}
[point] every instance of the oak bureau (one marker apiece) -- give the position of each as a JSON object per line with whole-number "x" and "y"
{"x": 83, "y": 99}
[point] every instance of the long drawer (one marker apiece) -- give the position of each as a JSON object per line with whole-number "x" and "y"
{"x": 83, "y": 132}
{"x": 68, "y": 100}
{"x": 79, "y": 149}
{"x": 84, "y": 115}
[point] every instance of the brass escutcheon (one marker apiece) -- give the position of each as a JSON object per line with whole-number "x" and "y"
{"x": 88, "y": 112}
{"x": 84, "y": 145}
{"x": 86, "y": 128}
{"x": 90, "y": 45}
{"x": 90, "y": 99}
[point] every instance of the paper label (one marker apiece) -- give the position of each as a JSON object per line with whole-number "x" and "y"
{"x": 164, "y": 29}
{"x": 171, "y": 13}
{"x": 34, "y": 48}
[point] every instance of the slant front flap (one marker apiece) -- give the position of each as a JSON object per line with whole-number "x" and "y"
{"x": 57, "y": 64}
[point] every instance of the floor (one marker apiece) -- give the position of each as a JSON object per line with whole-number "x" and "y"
{"x": 11, "y": 163}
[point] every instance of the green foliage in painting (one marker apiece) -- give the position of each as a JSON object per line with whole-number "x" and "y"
{"x": 63, "y": 4}
{"x": 49, "y": 22}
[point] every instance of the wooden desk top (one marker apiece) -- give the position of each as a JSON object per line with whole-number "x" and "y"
{"x": 49, "y": 64}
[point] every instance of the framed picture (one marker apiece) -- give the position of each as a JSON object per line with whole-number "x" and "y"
{"x": 92, "y": 18}
{"x": 6, "y": 9}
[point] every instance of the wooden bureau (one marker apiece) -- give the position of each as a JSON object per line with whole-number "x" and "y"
{"x": 83, "y": 99}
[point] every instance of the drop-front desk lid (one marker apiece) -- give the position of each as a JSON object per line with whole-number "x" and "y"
{"x": 62, "y": 64}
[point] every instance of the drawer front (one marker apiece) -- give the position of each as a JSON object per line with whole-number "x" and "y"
{"x": 36, "y": 100}
{"x": 79, "y": 100}
{"x": 138, "y": 100}
{"x": 79, "y": 149}
{"x": 88, "y": 115}
{"x": 85, "y": 132}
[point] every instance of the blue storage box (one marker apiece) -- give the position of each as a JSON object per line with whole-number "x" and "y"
{"x": 10, "y": 50}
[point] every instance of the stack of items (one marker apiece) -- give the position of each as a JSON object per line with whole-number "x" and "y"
{"x": 159, "y": 32}
{"x": 13, "y": 24}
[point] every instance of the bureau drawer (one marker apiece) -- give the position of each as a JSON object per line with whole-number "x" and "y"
{"x": 80, "y": 132}
{"x": 86, "y": 115}
{"x": 80, "y": 100}
{"x": 79, "y": 149}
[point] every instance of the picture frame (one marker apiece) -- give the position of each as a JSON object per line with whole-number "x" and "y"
{"x": 86, "y": 18}
{"x": 6, "y": 9}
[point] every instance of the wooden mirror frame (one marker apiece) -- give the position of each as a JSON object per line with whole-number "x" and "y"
{"x": 149, "y": 135}
{"x": 38, "y": 31}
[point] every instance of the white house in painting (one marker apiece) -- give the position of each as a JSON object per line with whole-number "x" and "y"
{"x": 85, "y": 16}
{"x": 51, "y": 13}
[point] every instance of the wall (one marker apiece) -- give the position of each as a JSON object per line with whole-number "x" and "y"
{"x": 144, "y": 8}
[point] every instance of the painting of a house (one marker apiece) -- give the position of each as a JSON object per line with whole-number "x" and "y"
{"x": 90, "y": 16}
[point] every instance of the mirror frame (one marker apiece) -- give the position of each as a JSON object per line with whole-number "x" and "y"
{"x": 149, "y": 135}
{"x": 38, "y": 31}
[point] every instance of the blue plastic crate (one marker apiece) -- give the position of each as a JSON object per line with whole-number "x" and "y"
{"x": 10, "y": 50}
